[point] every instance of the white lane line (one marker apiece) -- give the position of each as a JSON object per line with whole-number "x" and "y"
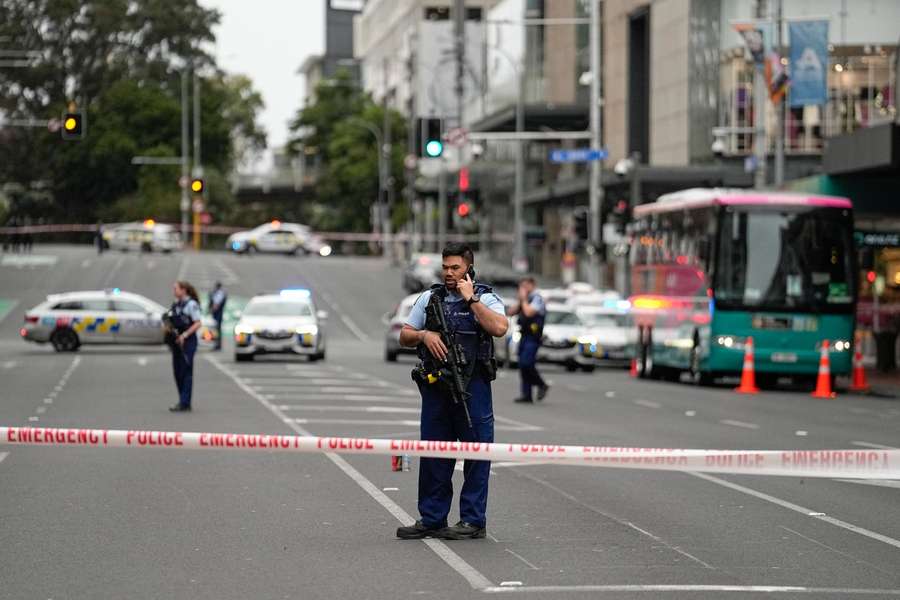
{"x": 142, "y": 361}
{"x": 33, "y": 419}
{"x": 40, "y": 410}
{"x": 690, "y": 413}
{"x": 3, "y": 456}
{"x": 379, "y": 422}
{"x": 800, "y": 509}
{"x": 872, "y": 445}
{"x": 615, "y": 519}
{"x": 648, "y": 403}
{"x": 801, "y": 433}
{"x": 888, "y": 483}
{"x": 741, "y": 424}
{"x": 365, "y": 409}
{"x": 107, "y": 281}
{"x": 344, "y": 397}
{"x": 9, "y": 309}
{"x": 86, "y": 263}
{"x": 835, "y": 550}
{"x": 353, "y": 327}
{"x": 454, "y": 560}
{"x": 324, "y": 390}
{"x": 522, "y": 558}
{"x": 656, "y": 589}
{"x": 610, "y": 394}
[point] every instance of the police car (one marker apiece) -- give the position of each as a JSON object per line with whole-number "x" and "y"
{"x": 282, "y": 323}
{"x": 279, "y": 238}
{"x": 146, "y": 236}
{"x": 71, "y": 319}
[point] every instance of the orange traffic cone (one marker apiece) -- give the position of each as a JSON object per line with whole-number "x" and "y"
{"x": 748, "y": 373}
{"x": 823, "y": 383}
{"x": 633, "y": 370}
{"x": 858, "y": 382}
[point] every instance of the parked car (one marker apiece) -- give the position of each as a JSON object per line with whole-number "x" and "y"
{"x": 566, "y": 341}
{"x": 143, "y": 236}
{"x": 421, "y": 272}
{"x": 394, "y": 321}
{"x": 279, "y": 238}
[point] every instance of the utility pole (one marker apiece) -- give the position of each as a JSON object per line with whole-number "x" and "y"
{"x": 409, "y": 190}
{"x": 198, "y": 167}
{"x": 780, "y": 109}
{"x": 185, "y": 156}
{"x": 387, "y": 248}
{"x": 597, "y": 274}
{"x": 759, "y": 112}
{"x": 520, "y": 260}
{"x": 442, "y": 205}
{"x": 459, "y": 30}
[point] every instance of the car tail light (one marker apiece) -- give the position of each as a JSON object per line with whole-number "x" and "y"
{"x": 23, "y": 332}
{"x": 31, "y": 318}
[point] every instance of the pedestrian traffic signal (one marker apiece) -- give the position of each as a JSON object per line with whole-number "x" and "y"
{"x": 72, "y": 126}
{"x": 197, "y": 185}
{"x": 431, "y": 144}
{"x": 581, "y": 223}
{"x": 622, "y": 216}
{"x": 463, "y": 209}
{"x": 463, "y": 182}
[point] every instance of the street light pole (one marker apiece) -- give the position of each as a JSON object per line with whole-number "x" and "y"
{"x": 759, "y": 113}
{"x": 595, "y": 190}
{"x": 780, "y": 108}
{"x": 185, "y": 159}
{"x": 382, "y": 170}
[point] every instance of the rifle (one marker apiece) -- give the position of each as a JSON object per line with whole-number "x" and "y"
{"x": 454, "y": 365}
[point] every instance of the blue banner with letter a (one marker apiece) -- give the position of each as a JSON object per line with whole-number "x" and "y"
{"x": 809, "y": 62}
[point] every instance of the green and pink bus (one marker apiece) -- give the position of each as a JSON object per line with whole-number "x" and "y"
{"x": 711, "y": 268}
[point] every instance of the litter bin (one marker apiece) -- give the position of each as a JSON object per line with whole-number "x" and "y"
{"x": 885, "y": 351}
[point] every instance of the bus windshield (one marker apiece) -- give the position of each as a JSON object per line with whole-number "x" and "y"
{"x": 785, "y": 259}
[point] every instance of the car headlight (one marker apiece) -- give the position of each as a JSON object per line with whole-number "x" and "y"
{"x": 310, "y": 329}
{"x": 836, "y": 346}
{"x": 586, "y": 339}
{"x": 325, "y": 250}
{"x": 243, "y": 330}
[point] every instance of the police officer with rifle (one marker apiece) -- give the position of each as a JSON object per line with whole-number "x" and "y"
{"x": 452, "y": 326}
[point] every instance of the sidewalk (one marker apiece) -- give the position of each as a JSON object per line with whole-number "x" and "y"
{"x": 883, "y": 385}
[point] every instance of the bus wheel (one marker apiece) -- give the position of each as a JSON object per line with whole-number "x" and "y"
{"x": 698, "y": 376}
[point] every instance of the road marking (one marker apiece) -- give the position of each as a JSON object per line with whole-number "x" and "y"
{"x": 392, "y": 423}
{"x": 230, "y": 277}
{"x": 871, "y": 445}
{"x": 112, "y": 272}
{"x": 301, "y": 391}
{"x": 575, "y": 388}
{"x": 610, "y": 394}
{"x": 29, "y": 260}
{"x": 86, "y": 263}
{"x": 613, "y": 518}
{"x": 690, "y": 413}
{"x": 454, "y": 560}
{"x": 518, "y": 425}
{"x": 182, "y": 269}
{"x": 742, "y": 424}
{"x": 33, "y": 419}
{"x": 835, "y": 550}
{"x": 40, "y": 410}
{"x": 801, "y": 433}
{"x": 522, "y": 558}
{"x": 797, "y": 508}
{"x": 6, "y": 307}
{"x": 142, "y": 361}
{"x": 648, "y": 403}
{"x": 365, "y": 409}
{"x": 345, "y": 397}
{"x": 3, "y": 456}
{"x": 150, "y": 264}
{"x": 888, "y": 483}
{"x": 9, "y": 364}
{"x": 656, "y": 589}
{"x": 353, "y": 327}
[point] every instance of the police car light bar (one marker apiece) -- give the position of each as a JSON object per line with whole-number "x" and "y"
{"x": 294, "y": 293}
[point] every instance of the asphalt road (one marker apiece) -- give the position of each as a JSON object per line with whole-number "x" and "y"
{"x": 100, "y": 523}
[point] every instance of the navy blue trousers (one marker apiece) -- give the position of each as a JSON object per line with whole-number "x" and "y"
{"x": 183, "y": 367}
{"x": 528, "y": 373}
{"x": 443, "y": 421}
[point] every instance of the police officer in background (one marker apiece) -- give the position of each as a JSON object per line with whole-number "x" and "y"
{"x": 183, "y": 321}
{"x": 532, "y": 311}
{"x": 474, "y": 315}
{"x": 217, "y": 299}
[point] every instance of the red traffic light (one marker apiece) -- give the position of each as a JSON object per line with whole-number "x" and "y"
{"x": 870, "y": 276}
{"x": 464, "y": 179}
{"x": 463, "y": 209}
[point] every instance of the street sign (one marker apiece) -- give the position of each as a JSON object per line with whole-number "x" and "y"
{"x": 578, "y": 155}
{"x": 458, "y": 136}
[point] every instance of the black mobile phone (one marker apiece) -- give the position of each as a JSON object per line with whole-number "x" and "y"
{"x": 471, "y": 272}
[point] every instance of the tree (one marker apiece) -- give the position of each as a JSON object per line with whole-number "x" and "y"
{"x": 333, "y": 128}
{"x": 119, "y": 61}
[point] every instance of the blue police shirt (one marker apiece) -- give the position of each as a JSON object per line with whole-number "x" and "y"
{"x": 191, "y": 309}
{"x": 537, "y": 303}
{"x": 416, "y": 318}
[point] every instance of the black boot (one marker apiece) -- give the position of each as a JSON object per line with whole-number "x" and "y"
{"x": 417, "y": 531}
{"x": 462, "y": 531}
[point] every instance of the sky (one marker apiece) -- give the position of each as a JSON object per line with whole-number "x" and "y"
{"x": 268, "y": 40}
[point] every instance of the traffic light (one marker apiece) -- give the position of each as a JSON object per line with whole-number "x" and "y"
{"x": 73, "y": 125}
{"x": 463, "y": 209}
{"x": 622, "y": 215}
{"x": 431, "y": 143}
{"x": 197, "y": 185}
{"x": 463, "y": 183}
{"x": 581, "y": 223}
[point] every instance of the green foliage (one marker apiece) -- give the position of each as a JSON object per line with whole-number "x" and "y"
{"x": 120, "y": 62}
{"x": 337, "y": 127}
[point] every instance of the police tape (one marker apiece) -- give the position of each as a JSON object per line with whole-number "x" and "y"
{"x": 856, "y": 464}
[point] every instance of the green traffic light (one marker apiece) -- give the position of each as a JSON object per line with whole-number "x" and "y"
{"x": 434, "y": 148}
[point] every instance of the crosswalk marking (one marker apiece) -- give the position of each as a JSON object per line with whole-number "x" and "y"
{"x": 345, "y": 397}
{"x": 366, "y": 409}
